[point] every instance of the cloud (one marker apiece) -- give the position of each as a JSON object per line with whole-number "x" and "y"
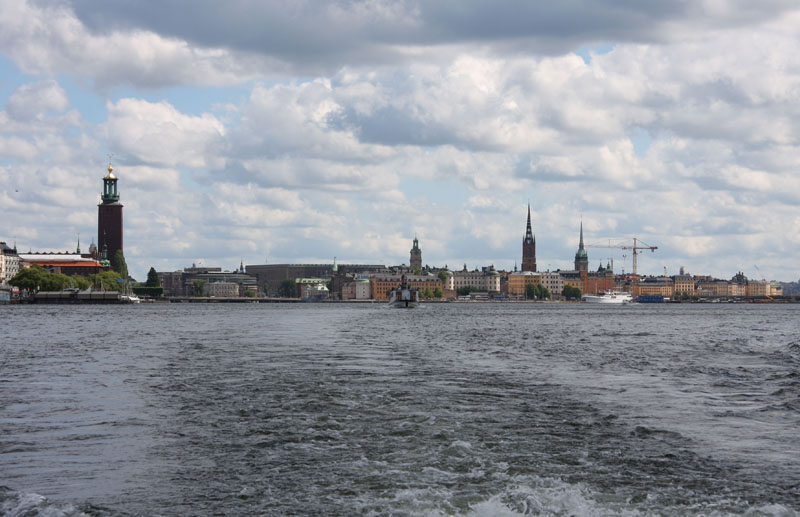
{"x": 35, "y": 100}
{"x": 50, "y": 39}
{"x": 157, "y": 133}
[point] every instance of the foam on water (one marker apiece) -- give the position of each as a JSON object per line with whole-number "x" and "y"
{"x": 20, "y": 504}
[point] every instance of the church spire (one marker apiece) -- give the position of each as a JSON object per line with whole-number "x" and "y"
{"x": 529, "y": 246}
{"x": 581, "y": 257}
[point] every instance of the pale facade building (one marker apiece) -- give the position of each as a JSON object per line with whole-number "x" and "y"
{"x": 553, "y": 282}
{"x": 362, "y": 289}
{"x": 485, "y": 280}
{"x": 222, "y": 289}
{"x": 9, "y": 263}
{"x": 756, "y": 288}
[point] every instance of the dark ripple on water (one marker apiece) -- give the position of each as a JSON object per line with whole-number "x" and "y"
{"x": 452, "y": 409}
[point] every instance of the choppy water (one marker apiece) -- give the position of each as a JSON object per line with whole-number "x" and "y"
{"x": 465, "y": 409}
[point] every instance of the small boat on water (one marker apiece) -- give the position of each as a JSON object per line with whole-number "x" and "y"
{"x": 613, "y": 297}
{"x": 129, "y": 298}
{"x": 404, "y": 297}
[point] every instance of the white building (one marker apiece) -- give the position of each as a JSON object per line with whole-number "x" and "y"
{"x": 486, "y": 279}
{"x": 9, "y": 263}
{"x": 222, "y": 289}
{"x": 363, "y": 289}
{"x": 554, "y": 283}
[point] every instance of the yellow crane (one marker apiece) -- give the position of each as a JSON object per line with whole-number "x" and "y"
{"x": 637, "y": 246}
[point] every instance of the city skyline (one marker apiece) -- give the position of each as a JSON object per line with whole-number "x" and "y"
{"x": 675, "y": 124}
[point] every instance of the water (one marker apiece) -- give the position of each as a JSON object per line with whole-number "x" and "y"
{"x": 452, "y": 409}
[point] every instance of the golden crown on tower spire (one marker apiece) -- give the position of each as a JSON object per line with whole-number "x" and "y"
{"x": 110, "y": 175}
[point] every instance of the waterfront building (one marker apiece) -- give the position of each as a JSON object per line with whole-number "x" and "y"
{"x": 599, "y": 281}
{"x": 109, "y": 217}
{"x": 62, "y": 263}
{"x": 415, "y": 262}
{"x": 518, "y": 281}
{"x": 271, "y": 275}
{"x": 553, "y": 282}
{"x": 185, "y": 283}
{"x": 486, "y": 279}
{"x": 357, "y": 289}
{"x": 381, "y": 284}
{"x": 684, "y": 284}
{"x": 312, "y": 289}
{"x": 573, "y": 278}
{"x": 9, "y": 262}
{"x": 221, "y": 289}
{"x": 529, "y": 246}
{"x": 757, "y": 288}
{"x": 655, "y": 286}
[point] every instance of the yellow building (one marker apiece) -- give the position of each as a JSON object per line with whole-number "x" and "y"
{"x": 755, "y": 288}
{"x": 518, "y": 281}
{"x": 381, "y": 285}
{"x": 684, "y": 284}
{"x": 654, "y": 289}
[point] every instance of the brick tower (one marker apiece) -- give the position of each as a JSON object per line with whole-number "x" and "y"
{"x": 416, "y": 255}
{"x": 109, "y": 217}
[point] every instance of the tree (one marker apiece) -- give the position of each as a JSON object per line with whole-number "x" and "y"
{"x": 152, "y": 278}
{"x": 542, "y": 292}
{"x": 29, "y": 278}
{"x": 198, "y": 287}
{"x": 35, "y": 278}
{"x": 464, "y": 291}
{"x": 118, "y": 263}
{"x": 530, "y": 291}
{"x": 443, "y": 276}
{"x": 427, "y": 293}
{"x": 288, "y": 288}
{"x": 416, "y": 270}
{"x": 80, "y": 282}
{"x": 437, "y": 293}
{"x": 570, "y": 292}
{"x": 105, "y": 280}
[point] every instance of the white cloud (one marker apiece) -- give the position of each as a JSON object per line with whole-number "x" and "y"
{"x": 157, "y": 133}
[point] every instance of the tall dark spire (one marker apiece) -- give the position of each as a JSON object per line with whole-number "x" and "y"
{"x": 529, "y": 239}
{"x": 529, "y": 246}
{"x": 581, "y": 257}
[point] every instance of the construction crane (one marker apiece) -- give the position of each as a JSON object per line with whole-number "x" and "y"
{"x": 636, "y": 247}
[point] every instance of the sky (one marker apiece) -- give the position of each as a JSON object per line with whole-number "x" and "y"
{"x": 260, "y": 131}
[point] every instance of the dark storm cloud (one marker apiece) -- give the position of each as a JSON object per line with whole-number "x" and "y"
{"x": 312, "y": 35}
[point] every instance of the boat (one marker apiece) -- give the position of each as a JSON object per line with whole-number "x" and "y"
{"x": 404, "y": 297}
{"x": 129, "y": 298}
{"x": 614, "y": 297}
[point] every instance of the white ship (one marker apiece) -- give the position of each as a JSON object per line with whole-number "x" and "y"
{"x": 616, "y": 297}
{"x": 403, "y": 297}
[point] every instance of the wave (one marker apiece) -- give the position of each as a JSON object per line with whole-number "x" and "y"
{"x": 21, "y": 504}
